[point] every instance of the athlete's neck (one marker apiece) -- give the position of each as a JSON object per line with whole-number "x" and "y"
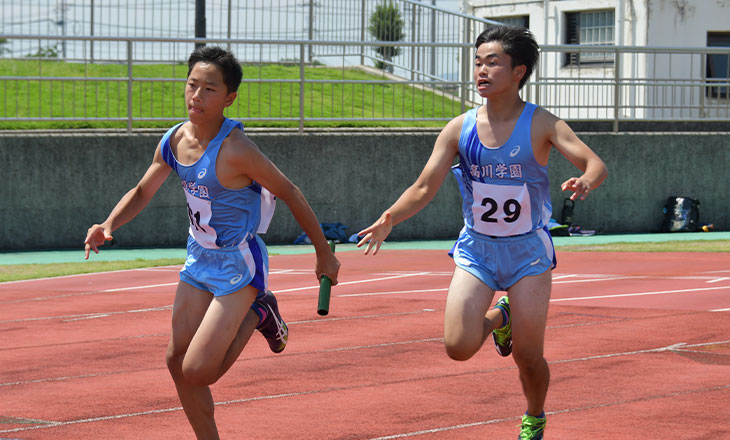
{"x": 206, "y": 132}
{"x": 503, "y": 110}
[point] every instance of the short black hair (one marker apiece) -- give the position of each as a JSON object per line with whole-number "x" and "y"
{"x": 517, "y": 42}
{"x": 224, "y": 60}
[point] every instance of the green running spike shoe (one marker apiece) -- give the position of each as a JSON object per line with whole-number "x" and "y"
{"x": 503, "y": 335}
{"x": 532, "y": 427}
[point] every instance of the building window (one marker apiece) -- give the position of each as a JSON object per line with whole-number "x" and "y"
{"x": 718, "y": 65}
{"x": 590, "y": 28}
{"x": 516, "y": 20}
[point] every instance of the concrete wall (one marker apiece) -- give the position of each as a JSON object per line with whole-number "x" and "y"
{"x": 57, "y": 185}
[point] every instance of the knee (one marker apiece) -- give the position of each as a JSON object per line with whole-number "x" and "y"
{"x": 458, "y": 351}
{"x": 529, "y": 363}
{"x": 198, "y": 375}
{"x": 174, "y": 362}
{"x": 460, "y": 345}
{"x": 184, "y": 370}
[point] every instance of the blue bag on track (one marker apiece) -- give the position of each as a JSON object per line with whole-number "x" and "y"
{"x": 336, "y": 232}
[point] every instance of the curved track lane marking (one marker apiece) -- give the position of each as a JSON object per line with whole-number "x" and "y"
{"x": 673, "y": 347}
{"x": 622, "y": 295}
{"x": 562, "y": 411}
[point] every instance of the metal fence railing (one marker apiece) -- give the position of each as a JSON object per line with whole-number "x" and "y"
{"x": 633, "y": 84}
{"x": 293, "y": 91}
{"x": 312, "y": 62}
{"x": 260, "y": 20}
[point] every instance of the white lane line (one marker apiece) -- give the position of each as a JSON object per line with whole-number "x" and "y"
{"x": 721, "y": 310}
{"x": 93, "y": 292}
{"x": 348, "y": 318}
{"x": 593, "y": 280}
{"x": 312, "y": 352}
{"x": 562, "y": 411}
{"x": 147, "y": 286}
{"x": 414, "y": 272}
{"x": 673, "y": 347}
{"x": 446, "y": 428}
{"x": 64, "y": 378}
{"x": 150, "y": 286}
{"x": 86, "y": 274}
{"x": 394, "y": 292}
{"x": 155, "y": 309}
{"x": 623, "y": 295}
{"x": 717, "y": 280}
{"x": 347, "y": 283}
{"x": 88, "y": 315}
{"x": 95, "y": 315}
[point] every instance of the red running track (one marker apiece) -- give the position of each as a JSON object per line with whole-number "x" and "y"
{"x": 638, "y": 346}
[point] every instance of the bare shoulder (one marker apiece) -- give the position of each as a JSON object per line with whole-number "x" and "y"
{"x": 239, "y": 160}
{"x": 452, "y": 131}
{"x": 238, "y": 145}
{"x": 544, "y": 122}
{"x": 456, "y": 123}
{"x": 550, "y": 129}
{"x": 180, "y": 133}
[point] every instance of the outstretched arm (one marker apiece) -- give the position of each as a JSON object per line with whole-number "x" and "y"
{"x": 562, "y": 137}
{"x": 129, "y": 206}
{"x": 418, "y": 195}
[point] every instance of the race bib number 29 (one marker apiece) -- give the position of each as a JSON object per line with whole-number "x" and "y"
{"x": 501, "y": 210}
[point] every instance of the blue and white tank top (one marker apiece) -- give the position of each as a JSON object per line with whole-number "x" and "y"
{"x": 505, "y": 190}
{"x": 219, "y": 217}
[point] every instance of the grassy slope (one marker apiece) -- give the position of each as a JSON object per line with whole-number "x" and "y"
{"x": 106, "y": 96}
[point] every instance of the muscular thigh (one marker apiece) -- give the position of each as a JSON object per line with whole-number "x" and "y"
{"x": 219, "y": 326}
{"x": 188, "y": 311}
{"x": 529, "y": 299}
{"x": 204, "y": 325}
{"x": 466, "y": 304}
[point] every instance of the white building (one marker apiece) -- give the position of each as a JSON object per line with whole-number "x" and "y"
{"x": 661, "y": 59}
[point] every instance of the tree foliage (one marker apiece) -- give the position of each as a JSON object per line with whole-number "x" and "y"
{"x": 45, "y": 52}
{"x": 386, "y": 24}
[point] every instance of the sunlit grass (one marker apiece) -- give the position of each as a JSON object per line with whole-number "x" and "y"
{"x": 665, "y": 246}
{"x": 14, "y": 272}
{"x": 269, "y": 91}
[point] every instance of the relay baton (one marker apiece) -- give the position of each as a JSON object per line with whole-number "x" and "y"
{"x": 325, "y": 284}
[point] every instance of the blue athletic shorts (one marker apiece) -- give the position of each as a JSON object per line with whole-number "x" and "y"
{"x": 499, "y": 262}
{"x": 226, "y": 270}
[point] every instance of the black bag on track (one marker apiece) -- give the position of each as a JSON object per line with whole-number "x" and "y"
{"x": 681, "y": 214}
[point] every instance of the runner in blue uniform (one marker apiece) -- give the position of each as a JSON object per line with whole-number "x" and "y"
{"x": 230, "y": 187}
{"x": 503, "y": 149}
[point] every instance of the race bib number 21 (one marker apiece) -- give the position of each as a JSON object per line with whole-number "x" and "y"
{"x": 199, "y": 214}
{"x": 501, "y": 210}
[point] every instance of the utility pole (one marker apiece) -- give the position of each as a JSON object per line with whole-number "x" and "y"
{"x": 199, "y": 21}
{"x": 62, "y": 22}
{"x": 91, "y": 31}
{"x": 432, "y": 67}
{"x": 63, "y": 26}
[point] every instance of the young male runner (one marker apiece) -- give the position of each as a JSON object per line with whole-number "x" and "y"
{"x": 222, "y": 295}
{"x": 503, "y": 149}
